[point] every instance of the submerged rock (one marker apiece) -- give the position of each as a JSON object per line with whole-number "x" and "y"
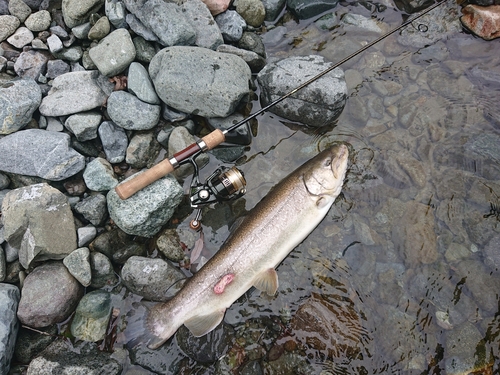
{"x": 482, "y": 21}
{"x": 92, "y": 316}
{"x": 318, "y": 104}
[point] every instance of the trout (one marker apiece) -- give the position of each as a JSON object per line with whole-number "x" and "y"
{"x": 271, "y": 230}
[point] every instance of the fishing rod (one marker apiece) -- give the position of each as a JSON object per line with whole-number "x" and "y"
{"x": 227, "y": 183}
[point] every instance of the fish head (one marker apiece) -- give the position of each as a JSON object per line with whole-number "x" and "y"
{"x": 325, "y": 173}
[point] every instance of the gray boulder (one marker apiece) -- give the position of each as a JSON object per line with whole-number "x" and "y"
{"x": 129, "y": 112}
{"x": 200, "y": 81}
{"x": 93, "y": 208}
{"x": 114, "y": 141}
{"x": 9, "y": 299}
{"x": 41, "y": 153}
{"x": 231, "y": 25}
{"x": 84, "y": 125}
{"x": 140, "y": 84}
{"x": 38, "y": 221}
{"x": 77, "y": 12}
{"x": 75, "y": 92}
{"x": 208, "y": 34}
{"x": 49, "y": 295}
{"x": 114, "y": 53}
{"x": 144, "y": 213}
{"x": 318, "y": 104}
{"x": 150, "y": 278}
{"x": 99, "y": 175}
{"x": 18, "y": 100}
{"x": 78, "y": 264}
{"x": 31, "y": 64}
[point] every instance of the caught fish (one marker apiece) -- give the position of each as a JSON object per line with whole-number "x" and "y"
{"x": 281, "y": 221}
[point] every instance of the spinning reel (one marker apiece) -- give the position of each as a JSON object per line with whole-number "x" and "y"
{"x": 224, "y": 184}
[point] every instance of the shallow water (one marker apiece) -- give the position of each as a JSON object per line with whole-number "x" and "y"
{"x": 404, "y": 268}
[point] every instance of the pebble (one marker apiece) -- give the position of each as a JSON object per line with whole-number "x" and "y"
{"x": 8, "y": 26}
{"x": 50, "y": 156}
{"x": 144, "y": 213}
{"x": 78, "y": 264}
{"x": 114, "y": 53}
{"x": 252, "y": 42}
{"x": 72, "y": 54}
{"x": 231, "y": 25}
{"x": 131, "y": 113}
{"x": 93, "y": 209}
{"x": 254, "y": 61}
{"x": 140, "y": 29}
{"x": 207, "y": 32}
{"x": 150, "y": 278}
{"x": 29, "y": 214}
{"x": 38, "y": 21}
{"x": 100, "y": 29}
{"x": 54, "y": 43}
{"x": 103, "y": 273}
{"x": 22, "y": 37}
{"x": 81, "y": 31}
{"x": 86, "y": 235}
{"x": 99, "y": 175}
{"x": 18, "y": 101}
{"x": 9, "y": 300}
{"x": 84, "y": 125}
{"x": 55, "y": 68}
{"x": 217, "y": 6}
{"x": 184, "y": 79}
{"x": 142, "y": 150}
{"x": 482, "y": 21}
{"x": 30, "y": 343}
{"x": 116, "y": 13}
{"x": 145, "y": 51}
{"x": 19, "y": 9}
{"x": 92, "y": 316}
{"x": 43, "y": 301}
{"x": 252, "y": 11}
{"x": 31, "y": 64}
{"x": 139, "y": 83}
{"x": 110, "y": 242}
{"x": 114, "y": 141}
{"x": 75, "y": 92}
{"x": 169, "y": 244}
{"x": 316, "y": 105}
{"x": 78, "y": 12}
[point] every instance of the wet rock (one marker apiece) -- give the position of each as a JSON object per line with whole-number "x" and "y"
{"x": 128, "y": 112}
{"x": 85, "y": 358}
{"x": 438, "y": 25}
{"x": 30, "y": 344}
{"x": 402, "y": 170}
{"x": 114, "y": 53}
{"x": 273, "y": 8}
{"x": 254, "y": 61}
{"x": 150, "y": 278}
{"x": 31, "y": 64}
{"x": 8, "y": 25}
{"x": 38, "y": 21}
{"x": 252, "y": 11}
{"x": 44, "y": 301}
{"x": 465, "y": 350}
{"x": 288, "y": 364}
{"x": 129, "y": 250}
{"x": 179, "y": 139}
{"x": 99, "y": 175}
{"x": 21, "y": 37}
{"x": 110, "y": 242}
{"x": 142, "y": 150}
{"x": 39, "y": 222}
{"x": 77, "y": 12}
{"x": 205, "y": 91}
{"x": 208, "y": 348}
{"x": 100, "y": 29}
{"x": 92, "y": 316}
{"x": 114, "y": 141}
{"x": 318, "y": 104}
{"x": 75, "y": 92}
{"x": 50, "y": 156}
{"x": 482, "y": 21}
{"x": 240, "y": 136}
{"x": 19, "y": 9}
{"x": 84, "y": 125}
{"x": 9, "y": 300}
{"x": 168, "y": 22}
{"x": 148, "y": 210}
{"x": 307, "y": 9}
{"x": 78, "y": 264}
{"x": 414, "y": 234}
{"x": 93, "y": 208}
{"x": 208, "y": 34}
{"x": 103, "y": 273}
{"x": 231, "y": 25}
{"x": 483, "y": 285}
{"x": 321, "y": 324}
{"x": 252, "y": 42}
{"x": 360, "y": 23}
{"x": 18, "y": 100}
{"x": 139, "y": 84}
{"x": 170, "y": 243}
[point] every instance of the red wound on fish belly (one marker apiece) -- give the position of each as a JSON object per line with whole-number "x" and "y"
{"x": 221, "y": 285}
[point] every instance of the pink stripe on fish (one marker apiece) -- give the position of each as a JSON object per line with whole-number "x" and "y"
{"x": 221, "y": 285}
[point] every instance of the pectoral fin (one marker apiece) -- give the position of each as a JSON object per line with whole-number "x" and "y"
{"x": 267, "y": 282}
{"x": 201, "y": 325}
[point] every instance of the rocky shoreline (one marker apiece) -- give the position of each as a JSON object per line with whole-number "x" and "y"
{"x": 93, "y": 92}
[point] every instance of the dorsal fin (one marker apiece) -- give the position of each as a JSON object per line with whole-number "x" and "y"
{"x": 267, "y": 281}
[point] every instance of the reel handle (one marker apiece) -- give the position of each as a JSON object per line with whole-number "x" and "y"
{"x": 127, "y": 189}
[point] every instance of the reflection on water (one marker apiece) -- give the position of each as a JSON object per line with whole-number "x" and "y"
{"x": 403, "y": 275}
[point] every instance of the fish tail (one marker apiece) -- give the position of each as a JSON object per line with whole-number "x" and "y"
{"x": 137, "y": 332}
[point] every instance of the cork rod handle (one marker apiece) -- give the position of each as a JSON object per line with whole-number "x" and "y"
{"x": 127, "y": 189}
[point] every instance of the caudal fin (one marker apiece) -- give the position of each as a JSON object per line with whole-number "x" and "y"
{"x": 137, "y": 332}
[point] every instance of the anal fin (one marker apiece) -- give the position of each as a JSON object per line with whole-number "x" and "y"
{"x": 202, "y": 324}
{"x": 267, "y": 282}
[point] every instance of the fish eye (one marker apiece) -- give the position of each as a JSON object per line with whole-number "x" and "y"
{"x": 328, "y": 162}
